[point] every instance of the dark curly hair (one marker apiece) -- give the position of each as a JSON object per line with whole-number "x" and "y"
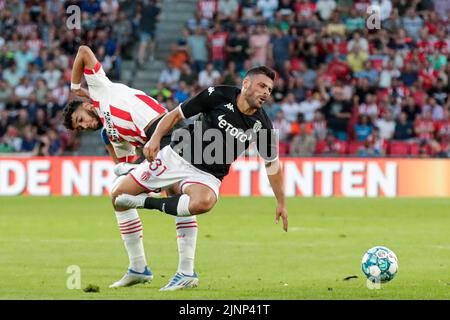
{"x": 69, "y": 109}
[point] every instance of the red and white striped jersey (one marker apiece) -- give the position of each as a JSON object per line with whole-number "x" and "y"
{"x": 124, "y": 111}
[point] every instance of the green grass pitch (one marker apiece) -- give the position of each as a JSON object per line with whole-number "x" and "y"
{"x": 241, "y": 252}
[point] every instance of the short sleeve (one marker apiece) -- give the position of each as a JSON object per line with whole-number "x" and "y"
{"x": 96, "y": 77}
{"x": 123, "y": 149}
{"x": 200, "y": 103}
{"x": 267, "y": 140}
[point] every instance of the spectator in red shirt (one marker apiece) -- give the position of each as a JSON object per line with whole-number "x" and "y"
{"x": 377, "y": 145}
{"x": 208, "y": 8}
{"x": 424, "y": 126}
{"x": 331, "y": 146}
{"x": 305, "y": 7}
{"x": 218, "y": 45}
{"x": 443, "y": 128}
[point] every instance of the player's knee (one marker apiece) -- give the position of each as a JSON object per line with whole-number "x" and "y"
{"x": 115, "y": 192}
{"x": 202, "y": 204}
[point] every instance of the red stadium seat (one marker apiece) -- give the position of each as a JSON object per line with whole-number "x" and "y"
{"x": 414, "y": 149}
{"x": 341, "y": 146}
{"x": 320, "y": 146}
{"x": 399, "y": 148}
{"x": 354, "y": 146}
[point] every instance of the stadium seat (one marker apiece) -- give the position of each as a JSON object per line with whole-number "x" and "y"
{"x": 342, "y": 146}
{"x": 399, "y": 148}
{"x": 354, "y": 146}
{"x": 414, "y": 149}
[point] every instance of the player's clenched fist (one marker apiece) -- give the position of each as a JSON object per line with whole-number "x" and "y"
{"x": 151, "y": 149}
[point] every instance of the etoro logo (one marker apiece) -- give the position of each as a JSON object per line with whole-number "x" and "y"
{"x": 238, "y": 134}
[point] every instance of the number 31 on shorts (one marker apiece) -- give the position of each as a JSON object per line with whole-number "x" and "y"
{"x": 157, "y": 167}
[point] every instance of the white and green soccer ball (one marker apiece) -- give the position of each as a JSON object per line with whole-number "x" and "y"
{"x": 379, "y": 264}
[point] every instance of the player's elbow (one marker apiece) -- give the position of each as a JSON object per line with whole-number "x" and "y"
{"x": 83, "y": 49}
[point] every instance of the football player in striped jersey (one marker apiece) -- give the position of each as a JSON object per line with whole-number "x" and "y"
{"x": 128, "y": 118}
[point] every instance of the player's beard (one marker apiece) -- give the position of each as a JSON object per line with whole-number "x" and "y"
{"x": 253, "y": 102}
{"x": 94, "y": 115}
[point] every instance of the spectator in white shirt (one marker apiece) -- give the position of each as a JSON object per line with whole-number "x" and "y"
{"x": 60, "y": 94}
{"x": 228, "y": 8}
{"x": 24, "y": 91}
{"x": 309, "y": 106}
{"x": 290, "y": 107}
{"x": 51, "y": 75}
{"x": 12, "y": 75}
{"x": 208, "y": 77}
{"x": 282, "y": 125}
{"x": 387, "y": 74}
{"x": 325, "y": 8}
{"x": 385, "y": 7}
{"x": 267, "y": 8}
{"x": 357, "y": 39}
{"x": 386, "y": 125}
{"x": 170, "y": 76}
{"x": 436, "y": 110}
{"x": 369, "y": 107}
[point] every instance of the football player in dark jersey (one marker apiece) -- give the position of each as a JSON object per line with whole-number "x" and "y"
{"x": 233, "y": 118}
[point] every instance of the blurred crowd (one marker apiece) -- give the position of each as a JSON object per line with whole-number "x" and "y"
{"x": 354, "y": 77}
{"x": 38, "y": 42}
{"x": 344, "y": 87}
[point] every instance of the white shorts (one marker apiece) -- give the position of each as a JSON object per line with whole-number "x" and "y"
{"x": 169, "y": 168}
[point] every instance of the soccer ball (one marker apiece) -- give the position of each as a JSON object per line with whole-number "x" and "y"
{"x": 379, "y": 264}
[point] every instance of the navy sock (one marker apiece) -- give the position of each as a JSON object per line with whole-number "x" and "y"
{"x": 167, "y": 205}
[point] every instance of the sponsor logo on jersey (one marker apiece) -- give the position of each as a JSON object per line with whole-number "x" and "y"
{"x": 112, "y": 132}
{"x": 229, "y": 106}
{"x": 233, "y": 131}
{"x": 210, "y": 90}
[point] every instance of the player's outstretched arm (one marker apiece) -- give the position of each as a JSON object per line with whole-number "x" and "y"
{"x": 169, "y": 121}
{"x": 85, "y": 58}
{"x": 275, "y": 175}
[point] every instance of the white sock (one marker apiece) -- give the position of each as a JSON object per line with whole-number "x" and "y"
{"x": 187, "y": 239}
{"x": 130, "y": 227}
{"x": 183, "y": 206}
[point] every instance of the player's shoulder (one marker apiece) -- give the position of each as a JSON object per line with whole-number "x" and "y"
{"x": 223, "y": 91}
{"x": 264, "y": 118}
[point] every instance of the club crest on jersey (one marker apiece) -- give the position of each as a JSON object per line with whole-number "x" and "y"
{"x": 145, "y": 175}
{"x": 210, "y": 90}
{"x": 257, "y": 126}
{"x": 229, "y": 106}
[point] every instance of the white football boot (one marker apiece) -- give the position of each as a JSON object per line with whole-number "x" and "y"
{"x": 132, "y": 278}
{"x": 181, "y": 281}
